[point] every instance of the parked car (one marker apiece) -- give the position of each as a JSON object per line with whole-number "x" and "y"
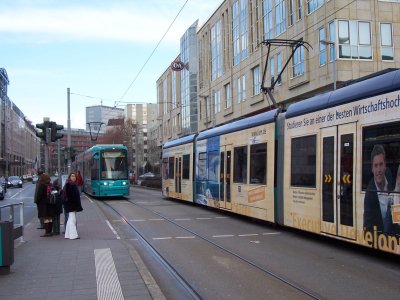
{"x": 35, "y": 178}
{"x": 14, "y": 181}
{"x": 1, "y": 193}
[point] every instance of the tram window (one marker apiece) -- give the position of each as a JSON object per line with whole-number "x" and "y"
{"x": 258, "y": 163}
{"x": 303, "y": 168}
{"x": 388, "y": 136}
{"x": 202, "y": 167}
{"x": 95, "y": 169}
{"x": 213, "y": 158}
{"x": 186, "y": 166}
{"x": 171, "y": 168}
{"x": 165, "y": 168}
{"x": 240, "y": 165}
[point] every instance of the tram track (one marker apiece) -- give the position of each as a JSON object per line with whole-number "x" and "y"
{"x": 180, "y": 278}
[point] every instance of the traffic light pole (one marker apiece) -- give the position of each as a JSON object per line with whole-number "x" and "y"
{"x": 69, "y": 133}
{"x": 46, "y": 151}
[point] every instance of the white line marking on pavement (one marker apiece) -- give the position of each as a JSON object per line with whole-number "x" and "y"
{"x": 113, "y": 230}
{"x": 156, "y": 219}
{"x": 163, "y": 238}
{"x": 223, "y": 235}
{"x": 221, "y": 217}
{"x": 184, "y": 219}
{"x": 203, "y": 218}
{"x": 249, "y": 234}
{"x": 137, "y": 220}
{"x": 271, "y": 233}
{"x": 185, "y": 237}
{"x": 108, "y": 285}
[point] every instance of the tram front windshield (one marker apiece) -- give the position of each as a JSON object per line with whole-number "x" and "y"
{"x": 113, "y": 164}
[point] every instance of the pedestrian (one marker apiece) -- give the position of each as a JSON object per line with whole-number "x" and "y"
{"x": 58, "y": 209}
{"x": 73, "y": 205}
{"x": 79, "y": 181}
{"x": 35, "y": 199}
{"x": 45, "y": 210}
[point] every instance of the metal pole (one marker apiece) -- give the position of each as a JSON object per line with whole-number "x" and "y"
{"x": 69, "y": 132}
{"x": 46, "y": 149}
{"x": 58, "y": 161}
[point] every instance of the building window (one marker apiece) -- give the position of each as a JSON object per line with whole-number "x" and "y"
{"x": 173, "y": 90}
{"x": 241, "y": 89}
{"x": 386, "y": 41}
{"x": 228, "y": 100}
{"x": 216, "y": 51}
{"x": 280, "y": 16}
{"x": 254, "y": 25}
{"x": 239, "y": 31}
{"x": 298, "y": 62}
{"x": 322, "y": 47}
{"x": 217, "y": 101}
{"x": 268, "y": 19}
{"x": 355, "y": 39}
{"x": 279, "y": 66}
{"x": 332, "y": 39}
{"x": 313, "y": 5}
{"x": 272, "y": 70}
{"x": 256, "y": 81}
{"x": 300, "y": 9}
{"x": 208, "y": 109}
{"x": 165, "y": 97}
{"x": 291, "y": 12}
{"x": 274, "y": 18}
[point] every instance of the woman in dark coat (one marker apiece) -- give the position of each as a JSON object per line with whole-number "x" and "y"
{"x": 45, "y": 210}
{"x": 72, "y": 206}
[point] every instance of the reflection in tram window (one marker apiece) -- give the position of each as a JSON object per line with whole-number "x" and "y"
{"x": 258, "y": 163}
{"x": 303, "y": 161}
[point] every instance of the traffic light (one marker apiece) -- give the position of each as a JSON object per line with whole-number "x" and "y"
{"x": 43, "y": 126}
{"x": 73, "y": 153}
{"x": 54, "y": 134}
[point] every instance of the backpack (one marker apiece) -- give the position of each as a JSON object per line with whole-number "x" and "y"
{"x": 52, "y": 195}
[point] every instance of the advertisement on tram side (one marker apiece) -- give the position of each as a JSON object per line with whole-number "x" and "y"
{"x": 342, "y": 172}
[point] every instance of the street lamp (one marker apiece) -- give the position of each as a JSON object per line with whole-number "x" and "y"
{"x": 332, "y": 44}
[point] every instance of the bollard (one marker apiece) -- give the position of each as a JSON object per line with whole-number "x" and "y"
{"x": 6, "y": 246}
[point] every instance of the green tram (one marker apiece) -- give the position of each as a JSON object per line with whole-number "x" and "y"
{"x": 104, "y": 169}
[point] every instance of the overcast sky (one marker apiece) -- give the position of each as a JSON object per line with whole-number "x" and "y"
{"x": 94, "y": 47}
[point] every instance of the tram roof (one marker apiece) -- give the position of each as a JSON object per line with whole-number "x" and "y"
{"x": 381, "y": 84}
{"x": 253, "y": 121}
{"x": 180, "y": 141}
{"x": 107, "y": 146}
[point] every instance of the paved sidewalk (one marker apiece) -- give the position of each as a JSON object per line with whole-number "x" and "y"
{"x": 96, "y": 266}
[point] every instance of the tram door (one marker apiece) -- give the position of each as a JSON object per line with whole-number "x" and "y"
{"x": 338, "y": 157}
{"x": 225, "y": 175}
{"x": 178, "y": 176}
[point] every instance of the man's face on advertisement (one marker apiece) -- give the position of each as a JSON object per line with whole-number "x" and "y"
{"x": 379, "y": 169}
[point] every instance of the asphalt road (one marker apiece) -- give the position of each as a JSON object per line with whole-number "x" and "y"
{"x": 192, "y": 239}
{"x": 18, "y": 195}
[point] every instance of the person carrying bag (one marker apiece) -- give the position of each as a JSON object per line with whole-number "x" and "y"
{"x": 72, "y": 206}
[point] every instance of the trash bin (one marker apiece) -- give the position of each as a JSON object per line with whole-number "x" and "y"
{"x": 6, "y": 246}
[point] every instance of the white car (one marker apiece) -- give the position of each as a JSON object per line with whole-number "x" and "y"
{"x": 35, "y": 178}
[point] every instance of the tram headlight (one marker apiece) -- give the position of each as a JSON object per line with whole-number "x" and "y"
{"x": 124, "y": 183}
{"x": 105, "y": 183}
